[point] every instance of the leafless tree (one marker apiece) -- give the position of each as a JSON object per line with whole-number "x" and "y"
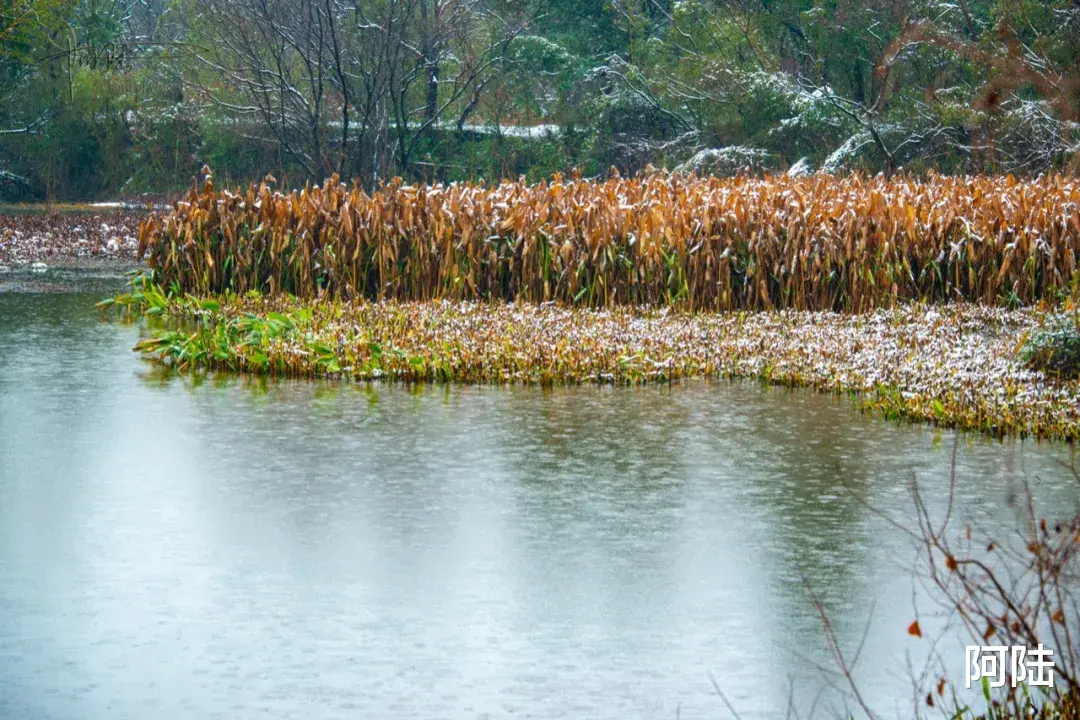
{"x": 348, "y": 86}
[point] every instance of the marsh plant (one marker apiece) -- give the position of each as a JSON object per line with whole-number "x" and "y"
{"x": 817, "y": 242}
{"x": 1054, "y": 348}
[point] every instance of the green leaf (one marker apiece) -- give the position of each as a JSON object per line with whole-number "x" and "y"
{"x": 323, "y": 350}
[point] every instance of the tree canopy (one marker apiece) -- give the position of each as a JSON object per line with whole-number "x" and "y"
{"x": 105, "y": 97}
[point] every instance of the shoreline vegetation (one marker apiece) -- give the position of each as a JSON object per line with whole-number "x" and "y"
{"x": 947, "y": 300}
{"x": 952, "y": 365}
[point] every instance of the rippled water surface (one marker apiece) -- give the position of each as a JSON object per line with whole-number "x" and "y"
{"x": 231, "y": 549}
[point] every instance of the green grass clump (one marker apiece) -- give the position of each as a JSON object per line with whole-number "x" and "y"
{"x": 1054, "y": 348}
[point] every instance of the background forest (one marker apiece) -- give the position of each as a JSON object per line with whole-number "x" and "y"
{"x": 106, "y": 98}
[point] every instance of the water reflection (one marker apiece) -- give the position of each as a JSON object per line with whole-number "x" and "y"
{"x": 230, "y": 547}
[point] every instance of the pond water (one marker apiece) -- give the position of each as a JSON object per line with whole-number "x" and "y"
{"x": 237, "y": 549}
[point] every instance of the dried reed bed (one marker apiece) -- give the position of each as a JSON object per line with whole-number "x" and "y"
{"x": 954, "y": 365}
{"x": 812, "y": 243}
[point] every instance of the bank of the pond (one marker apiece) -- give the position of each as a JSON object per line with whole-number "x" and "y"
{"x": 954, "y": 365}
{"x": 49, "y": 236}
